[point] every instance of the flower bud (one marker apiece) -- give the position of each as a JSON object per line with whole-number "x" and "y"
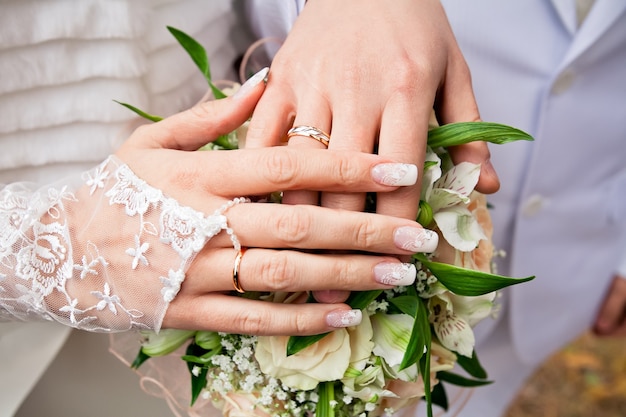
{"x": 165, "y": 342}
{"x": 425, "y": 214}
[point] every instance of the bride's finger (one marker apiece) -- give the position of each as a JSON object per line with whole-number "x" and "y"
{"x": 260, "y": 171}
{"x": 312, "y": 227}
{"x": 193, "y": 128}
{"x": 293, "y": 271}
{"x": 224, "y": 313}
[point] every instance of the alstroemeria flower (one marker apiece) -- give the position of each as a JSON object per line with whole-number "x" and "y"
{"x": 453, "y": 317}
{"x": 391, "y": 336}
{"x": 449, "y": 200}
{"x": 479, "y": 258}
{"x": 431, "y": 173}
{"x": 392, "y": 333}
{"x": 367, "y": 384}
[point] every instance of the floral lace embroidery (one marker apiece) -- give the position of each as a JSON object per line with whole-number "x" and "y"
{"x": 57, "y": 260}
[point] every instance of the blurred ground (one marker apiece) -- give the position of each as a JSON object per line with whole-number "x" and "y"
{"x": 586, "y": 379}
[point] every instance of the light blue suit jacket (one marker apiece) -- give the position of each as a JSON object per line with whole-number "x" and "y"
{"x": 561, "y": 212}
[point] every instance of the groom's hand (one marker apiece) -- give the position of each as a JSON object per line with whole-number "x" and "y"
{"x": 611, "y": 319}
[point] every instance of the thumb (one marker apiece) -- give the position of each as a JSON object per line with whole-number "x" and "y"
{"x": 194, "y": 128}
{"x": 456, "y": 103}
{"x": 612, "y": 310}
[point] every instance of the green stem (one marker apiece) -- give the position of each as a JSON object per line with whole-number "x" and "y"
{"x": 326, "y": 392}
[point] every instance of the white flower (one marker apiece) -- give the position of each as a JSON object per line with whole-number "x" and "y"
{"x": 448, "y": 197}
{"x": 453, "y": 317}
{"x": 391, "y": 336}
{"x": 326, "y": 360}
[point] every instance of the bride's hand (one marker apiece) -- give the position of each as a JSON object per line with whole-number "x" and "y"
{"x": 280, "y": 238}
{"x": 161, "y": 223}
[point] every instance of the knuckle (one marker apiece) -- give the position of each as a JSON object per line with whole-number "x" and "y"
{"x": 202, "y": 111}
{"x": 293, "y": 226}
{"x": 277, "y": 272}
{"x": 347, "y": 173}
{"x": 341, "y": 274}
{"x": 281, "y": 168}
{"x": 254, "y": 321}
{"x": 366, "y": 234}
{"x": 302, "y": 324}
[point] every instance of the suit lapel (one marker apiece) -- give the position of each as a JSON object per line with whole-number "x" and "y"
{"x": 602, "y": 16}
{"x": 566, "y": 10}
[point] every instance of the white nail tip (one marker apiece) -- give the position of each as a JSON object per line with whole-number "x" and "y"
{"x": 395, "y": 273}
{"x": 395, "y": 174}
{"x": 415, "y": 239}
{"x": 344, "y": 318}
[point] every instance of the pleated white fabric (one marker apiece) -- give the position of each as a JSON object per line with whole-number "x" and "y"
{"x": 62, "y": 65}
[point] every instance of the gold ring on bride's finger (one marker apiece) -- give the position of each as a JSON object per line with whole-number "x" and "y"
{"x": 310, "y": 132}
{"x": 236, "y": 268}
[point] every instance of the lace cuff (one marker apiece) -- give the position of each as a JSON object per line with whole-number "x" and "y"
{"x": 105, "y": 253}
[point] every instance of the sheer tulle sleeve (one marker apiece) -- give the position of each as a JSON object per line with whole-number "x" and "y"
{"x": 103, "y": 251}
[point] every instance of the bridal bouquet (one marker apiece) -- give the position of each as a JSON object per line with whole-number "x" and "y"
{"x": 410, "y": 337}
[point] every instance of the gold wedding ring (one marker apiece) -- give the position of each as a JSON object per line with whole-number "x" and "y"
{"x": 310, "y": 132}
{"x": 236, "y": 267}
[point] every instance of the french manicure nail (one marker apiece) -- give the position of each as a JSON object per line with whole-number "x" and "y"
{"x": 251, "y": 83}
{"x": 415, "y": 239}
{"x": 395, "y": 174}
{"x": 344, "y": 318}
{"x": 395, "y": 273}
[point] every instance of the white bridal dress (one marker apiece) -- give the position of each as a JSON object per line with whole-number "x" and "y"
{"x": 62, "y": 63}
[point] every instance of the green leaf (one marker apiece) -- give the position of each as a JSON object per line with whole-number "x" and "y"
{"x": 472, "y": 366}
{"x": 139, "y": 359}
{"x": 198, "y": 55}
{"x": 326, "y": 391}
{"x": 439, "y": 396}
{"x": 420, "y": 334}
{"x": 141, "y": 113}
{"x": 197, "y": 382}
{"x": 424, "y": 366}
{"x": 462, "y": 281}
{"x": 298, "y": 343}
{"x": 406, "y": 304}
{"x": 454, "y": 134}
{"x": 461, "y": 380}
{"x": 359, "y": 300}
{"x": 223, "y": 141}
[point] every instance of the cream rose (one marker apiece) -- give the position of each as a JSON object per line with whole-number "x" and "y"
{"x": 326, "y": 360}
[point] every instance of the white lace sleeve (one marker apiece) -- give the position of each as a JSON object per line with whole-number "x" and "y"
{"x": 105, "y": 253}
